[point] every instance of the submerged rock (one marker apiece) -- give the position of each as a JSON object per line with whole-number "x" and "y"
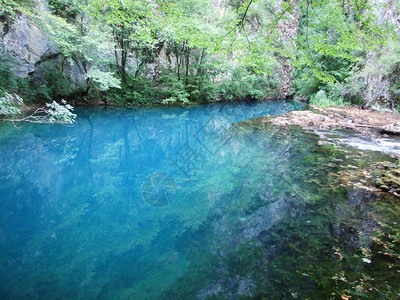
{"x": 263, "y": 219}
{"x": 210, "y": 291}
{"x": 228, "y": 288}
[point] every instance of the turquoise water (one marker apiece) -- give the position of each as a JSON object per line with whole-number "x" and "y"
{"x": 180, "y": 203}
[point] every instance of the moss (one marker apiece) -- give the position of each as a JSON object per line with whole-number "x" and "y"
{"x": 389, "y": 180}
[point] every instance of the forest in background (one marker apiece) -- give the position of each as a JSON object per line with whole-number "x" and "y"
{"x": 136, "y": 52}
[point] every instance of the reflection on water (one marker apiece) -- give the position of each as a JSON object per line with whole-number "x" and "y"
{"x": 179, "y": 203}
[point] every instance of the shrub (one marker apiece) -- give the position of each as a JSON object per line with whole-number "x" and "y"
{"x": 322, "y": 100}
{"x": 174, "y": 90}
{"x": 9, "y": 104}
{"x": 8, "y": 81}
{"x": 136, "y": 91}
{"x": 244, "y": 84}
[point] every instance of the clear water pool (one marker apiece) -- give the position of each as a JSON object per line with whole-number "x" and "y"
{"x": 181, "y": 203}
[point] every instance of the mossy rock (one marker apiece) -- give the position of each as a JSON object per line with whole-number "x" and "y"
{"x": 389, "y": 180}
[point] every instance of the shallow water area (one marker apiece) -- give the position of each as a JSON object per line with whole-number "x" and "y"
{"x": 375, "y": 142}
{"x": 181, "y": 203}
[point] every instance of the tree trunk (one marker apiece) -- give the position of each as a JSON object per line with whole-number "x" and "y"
{"x": 187, "y": 62}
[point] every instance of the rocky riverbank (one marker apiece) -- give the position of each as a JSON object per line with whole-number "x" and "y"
{"x": 374, "y": 126}
{"x": 366, "y": 122}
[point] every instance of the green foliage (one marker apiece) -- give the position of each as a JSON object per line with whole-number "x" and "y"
{"x": 246, "y": 85}
{"x": 8, "y": 81}
{"x": 65, "y": 35}
{"x": 9, "y": 104}
{"x": 202, "y": 88}
{"x": 334, "y": 38}
{"x": 135, "y": 91}
{"x": 48, "y": 84}
{"x": 65, "y": 8}
{"x": 384, "y": 63}
{"x": 230, "y": 50}
{"x": 395, "y": 89}
{"x": 322, "y": 100}
{"x": 59, "y": 113}
{"x": 131, "y": 25}
{"x": 105, "y": 80}
{"x": 9, "y": 99}
{"x": 174, "y": 90}
{"x": 9, "y": 9}
{"x": 88, "y": 46}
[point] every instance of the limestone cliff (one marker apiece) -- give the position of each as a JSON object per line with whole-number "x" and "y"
{"x": 288, "y": 27}
{"x": 25, "y": 42}
{"x": 375, "y": 75}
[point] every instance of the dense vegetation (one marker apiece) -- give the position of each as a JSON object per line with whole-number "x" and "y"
{"x": 150, "y": 51}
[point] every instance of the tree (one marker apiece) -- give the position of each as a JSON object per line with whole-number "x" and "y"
{"x": 131, "y": 26}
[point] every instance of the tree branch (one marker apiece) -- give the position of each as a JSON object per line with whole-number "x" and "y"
{"x": 241, "y": 23}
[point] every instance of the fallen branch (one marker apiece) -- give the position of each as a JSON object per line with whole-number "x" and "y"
{"x": 53, "y": 113}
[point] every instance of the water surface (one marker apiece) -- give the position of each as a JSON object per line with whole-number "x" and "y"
{"x": 179, "y": 203}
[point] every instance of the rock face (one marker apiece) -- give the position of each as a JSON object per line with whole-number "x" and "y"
{"x": 26, "y": 43}
{"x": 28, "y": 46}
{"x": 289, "y": 27}
{"x": 377, "y": 83}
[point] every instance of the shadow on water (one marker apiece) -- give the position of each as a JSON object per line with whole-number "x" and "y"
{"x": 179, "y": 203}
